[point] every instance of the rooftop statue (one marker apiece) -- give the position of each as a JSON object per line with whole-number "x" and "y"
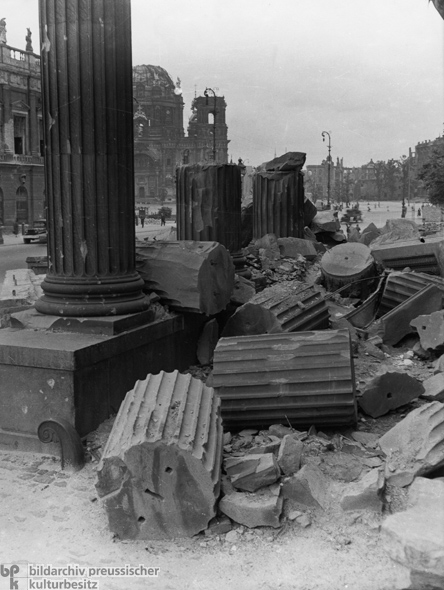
{"x": 28, "y": 40}
{"x": 2, "y": 30}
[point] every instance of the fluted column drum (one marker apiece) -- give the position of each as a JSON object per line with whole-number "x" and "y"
{"x": 209, "y": 204}
{"x": 88, "y": 128}
{"x": 278, "y": 198}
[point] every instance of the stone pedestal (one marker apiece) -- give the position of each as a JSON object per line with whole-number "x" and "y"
{"x": 209, "y": 207}
{"x": 81, "y": 374}
{"x": 88, "y": 128}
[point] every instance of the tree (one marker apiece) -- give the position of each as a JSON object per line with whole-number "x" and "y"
{"x": 404, "y": 170}
{"x": 432, "y": 174}
{"x": 391, "y": 178}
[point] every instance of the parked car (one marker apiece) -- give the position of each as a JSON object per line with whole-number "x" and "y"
{"x": 36, "y": 232}
{"x": 352, "y": 215}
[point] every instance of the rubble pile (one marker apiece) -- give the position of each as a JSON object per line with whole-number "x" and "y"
{"x": 280, "y": 471}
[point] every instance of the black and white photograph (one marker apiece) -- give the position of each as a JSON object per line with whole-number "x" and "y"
{"x": 222, "y": 294}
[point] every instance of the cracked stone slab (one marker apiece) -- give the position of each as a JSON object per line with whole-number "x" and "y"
{"x": 262, "y": 508}
{"x": 252, "y": 472}
{"x": 389, "y": 391}
{"x": 365, "y": 494}
{"x": 415, "y": 537}
{"x": 415, "y": 446}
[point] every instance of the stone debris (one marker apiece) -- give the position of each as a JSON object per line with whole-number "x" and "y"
{"x": 252, "y": 472}
{"x": 207, "y": 342}
{"x": 243, "y": 290}
{"x": 438, "y": 366}
{"x": 262, "y": 508}
{"x": 293, "y": 247}
{"x": 366, "y": 438}
{"x": 415, "y": 537}
{"x": 397, "y": 323}
{"x": 219, "y": 525}
{"x": 430, "y": 330}
{"x": 365, "y": 494}
{"x": 290, "y": 454}
{"x": 434, "y": 388}
{"x": 388, "y": 391}
{"x": 415, "y": 446}
{"x": 307, "y": 488}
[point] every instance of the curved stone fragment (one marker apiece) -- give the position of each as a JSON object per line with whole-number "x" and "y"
{"x": 415, "y": 446}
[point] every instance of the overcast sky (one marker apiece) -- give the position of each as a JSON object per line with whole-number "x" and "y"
{"x": 370, "y": 72}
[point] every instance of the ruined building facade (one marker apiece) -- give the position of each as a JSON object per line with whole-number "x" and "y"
{"x": 22, "y": 192}
{"x": 160, "y": 143}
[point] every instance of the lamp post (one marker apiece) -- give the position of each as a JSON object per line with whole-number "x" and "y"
{"x": 324, "y": 133}
{"x": 207, "y": 90}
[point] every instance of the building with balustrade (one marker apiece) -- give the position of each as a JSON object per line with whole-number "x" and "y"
{"x": 22, "y": 194}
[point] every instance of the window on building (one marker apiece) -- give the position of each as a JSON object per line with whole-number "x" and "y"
{"x": 211, "y": 118}
{"x": 41, "y": 138}
{"x": 21, "y": 205}
{"x": 19, "y": 134}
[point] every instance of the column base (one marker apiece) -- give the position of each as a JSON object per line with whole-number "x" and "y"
{"x": 82, "y": 377}
{"x": 84, "y": 297}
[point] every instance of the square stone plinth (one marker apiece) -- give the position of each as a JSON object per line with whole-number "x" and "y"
{"x": 81, "y": 377}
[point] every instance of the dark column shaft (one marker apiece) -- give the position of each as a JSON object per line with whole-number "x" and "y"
{"x": 88, "y": 126}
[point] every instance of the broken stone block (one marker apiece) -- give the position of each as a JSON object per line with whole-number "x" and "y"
{"x": 269, "y": 246}
{"x": 269, "y": 447}
{"x": 259, "y": 509}
{"x": 159, "y": 475}
{"x": 388, "y": 391}
{"x": 399, "y": 322}
{"x": 434, "y": 388}
{"x": 365, "y": 438}
{"x": 341, "y": 466}
{"x": 438, "y": 366}
{"x": 207, "y": 342}
{"x": 415, "y": 537}
{"x": 365, "y": 494}
{"x": 430, "y": 329}
{"x": 415, "y": 446}
{"x": 420, "y": 352}
{"x": 292, "y": 247}
{"x": 252, "y": 472}
{"x": 369, "y": 234}
{"x": 219, "y": 526}
{"x": 243, "y": 290}
{"x": 290, "y": 453}
{"x": 307, "y": 487}
{"x": 187, "y": 275}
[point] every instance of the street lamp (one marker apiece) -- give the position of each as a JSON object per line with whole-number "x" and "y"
{"x": 324, "y": 133}
{"x": 207, "y": 90}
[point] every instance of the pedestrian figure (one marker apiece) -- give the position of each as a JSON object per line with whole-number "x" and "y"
{"x": 419, "y": 211}
{"x": 348, "y": 230}
{"x": 15, "y": 228}
{"x": 358, "y": 229}
{"x": 162, "y": 219}
{"x": 137, "y": 219}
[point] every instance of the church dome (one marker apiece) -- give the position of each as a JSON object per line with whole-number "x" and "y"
{"x": 152, "y": 76}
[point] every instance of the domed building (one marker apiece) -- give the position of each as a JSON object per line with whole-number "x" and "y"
{"x": 160, "y": 143}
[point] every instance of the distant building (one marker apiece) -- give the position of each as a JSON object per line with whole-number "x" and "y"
{"x": 160, "y": 143}
{"x": 422, "y": 154}
{"x": 22, "y": 195}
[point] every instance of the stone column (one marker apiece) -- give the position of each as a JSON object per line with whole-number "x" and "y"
{"x": 208, "y": 200}
{"x": 88, "y": 128}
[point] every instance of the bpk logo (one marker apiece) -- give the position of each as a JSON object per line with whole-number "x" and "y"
{"x": 11, "y": 571}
